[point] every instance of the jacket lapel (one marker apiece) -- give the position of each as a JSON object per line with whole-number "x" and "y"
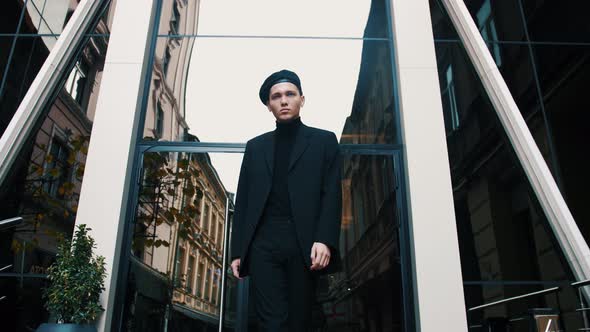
{"x": 301, "y": 143}
{"x": 269, "y": 152}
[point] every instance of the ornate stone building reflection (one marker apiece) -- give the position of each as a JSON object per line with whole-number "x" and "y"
{"x": 46, "y": 180}
{"x": 503, "y": 233}
{"x": 371, "y": 119}
{"x": 56, "y": 165}
{"x": 165, "y": 115}
{"x": 178, "y": 241}
{"x": 366, "y": 295}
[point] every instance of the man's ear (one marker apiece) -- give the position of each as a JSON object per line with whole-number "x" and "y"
{"x": 302, "y": 101}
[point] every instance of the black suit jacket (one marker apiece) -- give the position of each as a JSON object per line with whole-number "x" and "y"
{"x": 314, "y": 184}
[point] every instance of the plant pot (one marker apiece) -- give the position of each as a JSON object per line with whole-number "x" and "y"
{"x": 46, "y": 327}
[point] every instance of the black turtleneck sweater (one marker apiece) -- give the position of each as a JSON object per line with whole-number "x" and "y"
{"x": 278, "y": 205}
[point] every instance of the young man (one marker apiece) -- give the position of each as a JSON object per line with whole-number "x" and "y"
{"x": 288, "y": 210}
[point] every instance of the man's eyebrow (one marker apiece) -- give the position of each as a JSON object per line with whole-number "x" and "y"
{"x": 281, "y": 92}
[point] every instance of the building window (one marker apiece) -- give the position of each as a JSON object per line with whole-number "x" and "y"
{"x": 487, "y": 27}
{"x": 213, "y": 229}
{"x": 199, "y": 286}
{"x": 159, "y": 121}
{"x": 76, "y": 82}
{"x": 214, "y": 295}
{"x": 219, "y": 235}
{"x": 166, "y": 61}
{"x": 59, "y": 171}
{"x": 207, "y": 284}
{"x": 174, "y": 20}
{"x": 190, "y": 274}
{"x": 205, "y": 218}
{"x": 179, "y": 267}
{"x": 450, "y": 101}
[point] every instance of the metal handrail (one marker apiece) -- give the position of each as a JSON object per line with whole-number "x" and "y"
{"x": 581, "y": 283}
{"x": 519, "y": 297}
{"x": 10, "y": 222}
{"x": 582, "y": 310}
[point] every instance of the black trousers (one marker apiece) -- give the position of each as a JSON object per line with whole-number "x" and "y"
{"x": 283, "y": 286}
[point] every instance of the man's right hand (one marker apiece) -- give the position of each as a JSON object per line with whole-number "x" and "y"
{"x": 235, "y": 267}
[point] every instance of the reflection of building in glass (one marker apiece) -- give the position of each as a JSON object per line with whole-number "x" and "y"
{"x": 183, "y": 216}
{"x": 371, "y": 120}
{"x": 51, "y": 183}
{"x": 47, "y": 176}
{"x": 178, "y": 241}
{"x": 369, "y": 240}
{"x": 48, "y": 17}
{"x": 370, "y": 248}
{"x": 165, "y": 116}
{"x": 504, "y": 236}
{"x": 505, "y": 245}
{"x": 56, "y": 167}
{"x": 503, "y": 231}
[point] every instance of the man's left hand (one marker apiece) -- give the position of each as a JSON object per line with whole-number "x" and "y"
{"x": 320, "y": 256}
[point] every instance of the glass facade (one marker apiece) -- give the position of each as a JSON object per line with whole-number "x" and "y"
{"x": 43, "y": 186}
{"x": 507, "y": 248}
{"x": 208, "y": 64}
{"x": 196, "y": 55}
{"x": 172, "y": 233}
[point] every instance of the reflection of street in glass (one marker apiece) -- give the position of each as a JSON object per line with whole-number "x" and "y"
{"x": 179, "y": 231}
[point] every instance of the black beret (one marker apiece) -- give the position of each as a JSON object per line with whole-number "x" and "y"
{"x": 278, "y": 77}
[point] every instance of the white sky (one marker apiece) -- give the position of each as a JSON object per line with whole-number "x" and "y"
{"x": 225, "y": 74}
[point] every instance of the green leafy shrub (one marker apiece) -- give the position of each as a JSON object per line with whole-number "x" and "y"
{"x": 76, "y": 280}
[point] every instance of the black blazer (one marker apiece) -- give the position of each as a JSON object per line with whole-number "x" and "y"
{"x": 314, "y": 184}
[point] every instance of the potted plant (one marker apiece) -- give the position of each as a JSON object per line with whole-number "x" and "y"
{"x": 76, "y": 280}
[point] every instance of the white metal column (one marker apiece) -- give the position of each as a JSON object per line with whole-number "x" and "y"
{"x": 438, "y": 284}
{"x": 560, "y": 219}
{"x": 105, "y": 189}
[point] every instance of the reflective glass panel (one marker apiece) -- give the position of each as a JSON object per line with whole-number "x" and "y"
{"x": 546, "y": 21}
{"x": 507, "y": 248}
{"x": 176, "y": 259}
{"x": 495, "y": 20}
{"x": 483, "y": 184}
{"x": 462, "y": 92}
{"x": 526, "y": 314}
{"x": 44, "y": 182}
{"x": 9, "y": 23}
{"x": 367, "y": 294}
{"x": 175, "y": 265}
{"x": 456, "y": 73}
{"x": 551, "y": 21}
{"x": 328, "y": 18}
{"x": 564, "y": 74}
{"x": 5, "y": 46}
{"x": 78, "y": 93}
{"x": 503, "y": 233}
{"x": 47, "y": 16}
{"x": 27, "y": 58}
{"x": 208, "y": 88}
{"x": 442, "y": 27}
{"x": 30, "y": 311}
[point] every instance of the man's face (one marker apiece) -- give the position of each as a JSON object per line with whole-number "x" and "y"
{"x": 285, "y": 102}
